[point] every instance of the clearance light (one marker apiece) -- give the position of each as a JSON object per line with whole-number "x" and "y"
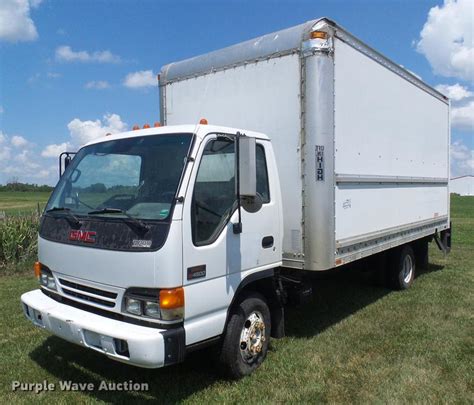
{"x": 319, "y": 35}
{"x": 146, "y": 126}
{"x": 135, "y": 128}
{"x": 203, "y": 121}
{"x": 37, "y": 268}
{"x": 157, "y": 125}
{"x": 172, "y": 304}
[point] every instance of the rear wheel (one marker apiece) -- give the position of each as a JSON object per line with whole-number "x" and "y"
{"x": 401, "y": 268}
{"x": 246, "y": 338}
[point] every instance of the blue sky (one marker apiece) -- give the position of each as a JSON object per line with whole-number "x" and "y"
{"x": 70, "y": 70}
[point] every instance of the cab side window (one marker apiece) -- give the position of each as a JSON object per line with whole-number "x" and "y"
{"x": 214, "y": 197}
{"x": 262, "y": 175}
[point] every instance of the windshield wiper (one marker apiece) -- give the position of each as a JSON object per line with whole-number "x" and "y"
{"x": 134, "y": 220}
{"x": 70, "y": 217}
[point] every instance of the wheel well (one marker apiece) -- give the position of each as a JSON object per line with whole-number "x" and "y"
{"x": 267, "y": 286}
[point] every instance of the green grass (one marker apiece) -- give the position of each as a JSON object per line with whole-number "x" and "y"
{"x": 19, "y": 202}
{"x": 356, "y": 342}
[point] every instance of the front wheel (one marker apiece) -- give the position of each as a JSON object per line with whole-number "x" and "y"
{"x": 246, "y": 338}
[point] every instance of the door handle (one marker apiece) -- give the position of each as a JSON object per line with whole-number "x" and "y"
{"x": 267, "y": 242}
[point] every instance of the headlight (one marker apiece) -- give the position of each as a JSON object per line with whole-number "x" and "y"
{"x": 46, "y": 278}
{"x": 133, "y": 306}
{"x": 165, "y": 304}
{"x": 152, "y": 309}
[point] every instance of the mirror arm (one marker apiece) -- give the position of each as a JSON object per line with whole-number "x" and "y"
{"x": 237, "y": 228}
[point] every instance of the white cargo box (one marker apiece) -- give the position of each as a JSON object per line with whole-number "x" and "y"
{"x": 362, "y": 145}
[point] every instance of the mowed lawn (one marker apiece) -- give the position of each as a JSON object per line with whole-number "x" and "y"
{"x": 356, "y": 342}
{"x": 20, "y": 202}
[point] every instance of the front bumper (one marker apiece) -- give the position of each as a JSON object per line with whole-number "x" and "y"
{"x": 133, "y": 344}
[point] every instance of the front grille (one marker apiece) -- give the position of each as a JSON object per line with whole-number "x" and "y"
{"x": 88, "y": 289}
{"x": 88, "y": 298}
{"x": 83, "y": 292}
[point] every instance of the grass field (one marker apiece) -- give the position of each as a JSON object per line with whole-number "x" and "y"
{"x": 356, "y": 342}
{"x": 17, "y": 203}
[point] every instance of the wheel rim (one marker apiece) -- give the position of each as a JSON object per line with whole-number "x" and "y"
{"x": 407, "y": 269}
{"x": 252, "y": 337}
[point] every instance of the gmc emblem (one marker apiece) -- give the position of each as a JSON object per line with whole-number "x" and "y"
{"x": 83, "y": 236}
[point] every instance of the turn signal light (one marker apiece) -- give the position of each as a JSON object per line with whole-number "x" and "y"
{"x": 37, "y": 268}
{"x": 135, "y": 128}
{"x": 171, "y": 299}
{"x": 319, "y": 35}
{"x": 203, "y": 121}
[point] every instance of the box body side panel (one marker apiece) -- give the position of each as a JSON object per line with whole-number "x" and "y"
{"x": 386, "y": 128}
{"x": 264, "y": 97}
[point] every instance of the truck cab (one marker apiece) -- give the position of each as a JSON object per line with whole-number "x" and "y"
{"x": 147, "y": 244}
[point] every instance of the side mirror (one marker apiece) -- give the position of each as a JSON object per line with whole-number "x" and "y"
{"x": 250, "y": 200}
{"x": 247, "y": 167}
{"x": 64, "y": 159}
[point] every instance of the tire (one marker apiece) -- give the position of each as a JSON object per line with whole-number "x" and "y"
{"x": 401, "y": 268}
{"x": 246, "y": 338}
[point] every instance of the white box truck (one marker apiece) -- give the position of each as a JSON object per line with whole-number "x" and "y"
{"x": 316, "y": 151}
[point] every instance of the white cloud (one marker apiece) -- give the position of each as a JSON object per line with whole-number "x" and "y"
{"x": 98, "y": 85}
{"x": 18, "y": 141}
{"x": 447, "y": 39}
{"x": 462, "y": 159}
{"x": 15, "y": 20}
{"x": 462, "y": 117}
{"x": 82, "y": 132}
{"x": 140, "y": 79}
{"x": 85, "y": 131}
{"x": 53, "y": 75}
{"x": 4, "y": 149}
{"x": 456, "y": 92}
{"x": 54, "y": 150}
{"x": 66, "y": 54}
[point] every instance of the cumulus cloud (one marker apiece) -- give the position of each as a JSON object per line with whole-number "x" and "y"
{"x": 462, "y": 159}
{"x": 463, "y": 117}
{"x": 82, "y": 132}
{"x": 455, "y": 92}
{"x": 20, "y": 158}
{"x": 85, "y": 131}
{"x": 447, "y": 39}
{"x": 140, "y": 79}
{"x": 18, "y": 141}
{"x": 98, "y": 85}
{"x": 15, "y": 20}
{"x": 54, "y": 150}
{"x": 66, "y": 54}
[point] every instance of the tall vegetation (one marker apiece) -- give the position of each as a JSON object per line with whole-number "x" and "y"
{"x": 17, "y": 186}
{"x": 18, "y": 239}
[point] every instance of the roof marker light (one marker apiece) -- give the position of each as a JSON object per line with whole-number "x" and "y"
{"x": 319, "y": 35}
{"x": 135, "y": 128}
{"x": 203, "y": 121}
{"x": 146, "y": 126}
{"x": 157, "y": 124}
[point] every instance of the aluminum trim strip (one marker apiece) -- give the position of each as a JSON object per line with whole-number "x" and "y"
{"x": 354, "y": 178}
{"x": 389, "y": 231}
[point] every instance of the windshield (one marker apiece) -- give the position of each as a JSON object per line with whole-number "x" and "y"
{"x": 136, "y": 176}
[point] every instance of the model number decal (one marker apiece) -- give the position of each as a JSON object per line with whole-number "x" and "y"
{"x": 139, "y": 243}
{"x": 319, "y": 162}
{"x": 196, "y": 272}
